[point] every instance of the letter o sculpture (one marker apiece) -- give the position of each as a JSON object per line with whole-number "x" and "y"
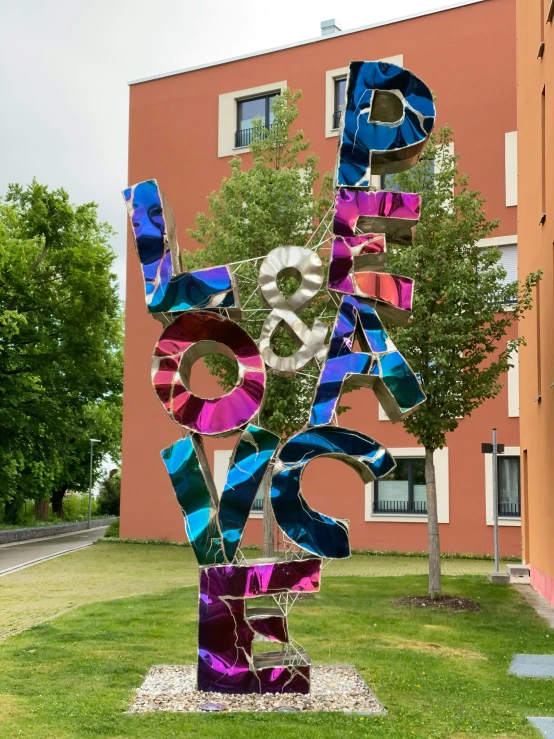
{"x": 189, "y": 337}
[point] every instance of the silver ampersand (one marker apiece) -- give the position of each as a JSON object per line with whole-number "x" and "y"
{"x": 291, "y": 261}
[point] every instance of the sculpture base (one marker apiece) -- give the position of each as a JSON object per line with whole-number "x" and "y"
{"x": 333, "y": 688}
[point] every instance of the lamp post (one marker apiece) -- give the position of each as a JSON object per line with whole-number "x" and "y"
{"x": 92, "y": 443}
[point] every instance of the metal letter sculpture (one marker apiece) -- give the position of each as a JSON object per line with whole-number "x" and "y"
{"x": 389, "y": 115}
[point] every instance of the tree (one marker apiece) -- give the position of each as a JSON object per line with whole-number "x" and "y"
{"x": 460, "y": 312}
{"x": 60, "y": 345}
{"x": 256, "y": 210}
{"x": 109, "y": 495}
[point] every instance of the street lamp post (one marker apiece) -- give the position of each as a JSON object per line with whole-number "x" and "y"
{"x": 92, "y": 443}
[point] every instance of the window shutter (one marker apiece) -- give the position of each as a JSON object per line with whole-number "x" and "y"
{"x": 509, "y": 262}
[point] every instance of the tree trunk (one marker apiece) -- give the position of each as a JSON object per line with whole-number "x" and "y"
{"x": 57, "y": 500}
{"x": 12, "y": 510}
{"x": 42, "y": 510}
{"x": 269, "y": 520}
{"x": 433, "y": 526}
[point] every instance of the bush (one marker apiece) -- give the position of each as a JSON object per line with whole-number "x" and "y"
{"x": 109, "y": 496}
{"x": 113, "y": 530}
{"x": 75, "y": 507}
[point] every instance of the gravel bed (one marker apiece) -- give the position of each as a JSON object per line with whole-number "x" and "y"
{"x": 333, "y": 688}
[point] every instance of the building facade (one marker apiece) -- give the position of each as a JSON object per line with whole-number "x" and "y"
{"x": 184, "y": 129}
{"x": 535, "y": 66}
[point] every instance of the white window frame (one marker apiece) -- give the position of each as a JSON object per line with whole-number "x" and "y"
{"x": 227, "y": 116}
{"x": 509, "y": 451}
{"x": 443, "y": 490}
{"x": 221, "y": 466}
{"x": 330, "y": 76}
{"x": 382, "y": 414}
{"x": 499, "y": 241}
{"x": 513, "y": 385}
{"x": 510, "y": 167}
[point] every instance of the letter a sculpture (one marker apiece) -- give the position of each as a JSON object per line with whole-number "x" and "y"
{"x": 197, "y": 311}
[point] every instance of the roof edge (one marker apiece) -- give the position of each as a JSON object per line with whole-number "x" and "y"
{"x": 452, "y": 6}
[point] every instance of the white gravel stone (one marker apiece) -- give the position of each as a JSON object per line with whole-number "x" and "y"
{"x": 333, "y": 688}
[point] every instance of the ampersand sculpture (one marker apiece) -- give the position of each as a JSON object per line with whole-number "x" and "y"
{"x": 287, "y": 261}
{"x": 388, "y": 117}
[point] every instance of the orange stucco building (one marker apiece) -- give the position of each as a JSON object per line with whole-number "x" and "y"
{"x": 185, "y": 127}
{"x": 535, "y": 74}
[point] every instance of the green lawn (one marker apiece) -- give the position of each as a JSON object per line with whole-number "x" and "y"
{"x": 108, "y": 571}
{"x": 438, "y": 674}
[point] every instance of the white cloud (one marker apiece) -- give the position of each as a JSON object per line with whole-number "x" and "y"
{"x": 64, "y": 68}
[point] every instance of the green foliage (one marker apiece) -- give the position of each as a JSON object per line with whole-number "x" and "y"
{"x": 454, "y": 342}
{"x": 75, "y": 507}
{"x": 425, "y": 555}
{"x": 109, "y": 495}
{"x": 24, "y": 516}
{"x": 113, "y": 530}
{"x": 60, "y": 344}
{"x": 256, "y": 210}
{"x": 150, "y": 542}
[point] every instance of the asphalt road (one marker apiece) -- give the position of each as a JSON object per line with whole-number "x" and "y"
{"x": 18, "y": 555}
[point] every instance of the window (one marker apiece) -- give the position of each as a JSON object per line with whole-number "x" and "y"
{"x": 508, "y": 259}
{"x": 387, "y": 180}
{"x": 509, "y": 495}
{"x": 340, "y": 95}
{"x": 403, "y": 490}
{"x": 387, "y": 183}
{"x": 247, "y": 110}
{"x": 509, "y": 508}
{"x": 258, "y": 504}
{"x": 222, "y": 458}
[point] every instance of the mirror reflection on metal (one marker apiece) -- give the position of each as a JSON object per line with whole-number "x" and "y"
{"x": 392, "y": 293}
{"x": 316, "y": 533}
{"x": 291, "y": 261}
{"x": 393, "y": 214}
{"x": 355, "y": 252}
{"x": 388, "y": 117}
{"x": 380, "y": 366}
{"x": 228, "y": 627}
{"x": 186, "y": 464}
{"x": 167, "y": 289}
{"x": 389, "y": 114}
{"x": 187, "y": 339}
{"x": 249, "y": 463}
{"x": 215, "y": 527}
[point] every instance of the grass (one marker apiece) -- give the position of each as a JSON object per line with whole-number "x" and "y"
{"x": 108, "y": 571}
{"x": 438, "y": 674}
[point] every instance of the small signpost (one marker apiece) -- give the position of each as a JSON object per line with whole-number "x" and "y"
{"x": 495, "y": 449}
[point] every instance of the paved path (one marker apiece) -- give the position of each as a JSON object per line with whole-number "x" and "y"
{"x": 538, "y": 602}
{"x": 18, "y": 555}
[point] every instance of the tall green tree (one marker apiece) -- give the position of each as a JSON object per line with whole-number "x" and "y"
{"x": 462, "y": 309}
{"x": 109, "y": 495}
{"x": 270, "y": 204}
{"x": 60, "y": 344}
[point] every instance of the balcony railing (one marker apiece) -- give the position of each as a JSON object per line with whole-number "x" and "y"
{"x": 246, "y": 136}
{"x": 400, "y": 506}
{"x": 258, "y": 504}
{"x": 336, "y": 118}
{"x": 509, "y": 509}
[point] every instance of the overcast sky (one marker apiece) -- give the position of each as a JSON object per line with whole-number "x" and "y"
{"x": 65, "y": 64}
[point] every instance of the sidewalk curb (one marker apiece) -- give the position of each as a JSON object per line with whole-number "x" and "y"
{"x": 34, "y": 533}
{"x": 42, "y": 559}
{"x": 53, "y": 537}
